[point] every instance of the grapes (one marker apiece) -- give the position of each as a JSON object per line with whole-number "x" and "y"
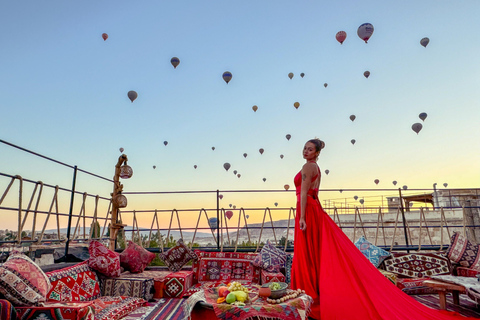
{"x": 274, "y": 286}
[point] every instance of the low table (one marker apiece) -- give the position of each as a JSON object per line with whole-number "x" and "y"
{"x": 443, "y": 288}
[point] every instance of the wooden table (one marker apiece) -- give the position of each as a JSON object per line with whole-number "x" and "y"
{"x": 443, "y": 288}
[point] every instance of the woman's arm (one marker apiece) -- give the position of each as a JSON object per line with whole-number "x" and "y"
{"x": 307, "y": 174}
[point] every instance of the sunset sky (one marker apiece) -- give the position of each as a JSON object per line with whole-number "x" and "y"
{"x": 64, "y": 95}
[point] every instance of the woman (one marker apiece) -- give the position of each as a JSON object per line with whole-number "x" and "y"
{"x": 343, "y": 283}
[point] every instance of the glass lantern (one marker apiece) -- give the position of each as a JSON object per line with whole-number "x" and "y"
{"x": 121, "y": 201}
{"x": 126, "y": 171}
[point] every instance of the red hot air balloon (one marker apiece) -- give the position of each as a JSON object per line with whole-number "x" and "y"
{"x": 175, "y": 62}
{"x": 229, "y": 214}
{"x": 132, "y": 95}
{"x": 239, "y": 175}
{"x": 227, "y": 76}
{"x": 104, "y": 36}
{"x": 286, "y": 187}
{"x": 341, "y": 36}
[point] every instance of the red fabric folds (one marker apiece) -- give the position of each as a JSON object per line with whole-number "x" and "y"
{"x": 343, "y": 283}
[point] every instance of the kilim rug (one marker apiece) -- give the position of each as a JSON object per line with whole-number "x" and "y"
{"x": 166, "y": 309}
{"x": 466, "y": 308}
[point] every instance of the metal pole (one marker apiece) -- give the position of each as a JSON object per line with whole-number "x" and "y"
{"x": 218, "y": 219}
{"x": 404, "y": 221}
{"x": 71, "y": 211}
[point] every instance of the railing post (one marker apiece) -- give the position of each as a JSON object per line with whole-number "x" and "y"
{"x": 218, "y": 219}
{"x": 404, "y": 220}
{"x": 70, "y": 213}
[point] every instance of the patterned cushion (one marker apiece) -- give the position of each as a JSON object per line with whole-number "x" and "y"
{"x": 114, "y": 308}
{"x": 131, "y": 287}
{"x": 72, "y": 284}
{"x": 103, "y": 260}
{"x": 175, "y": 258}
{"x": 418, "y": 265}
{"x": 177, "y": 283}
{"x": 135, "y": 258}
{"x": 467, "y": 272}
{"x": 158, "y": 277}
{"x": 272, "y": 277}
{"x": 22, "y": 282}
{"x": 225, "y": 266}
{"x": 373, "y": 253}
{"x": 463, "y": 251}
{"x": 270, "y": 258}
{"x": 414, "y": 286}
{"x": 58, "y": 310}
{"x": 288, "y": 268}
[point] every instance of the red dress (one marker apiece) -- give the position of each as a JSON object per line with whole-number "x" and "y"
{"x": 343, "y": 283}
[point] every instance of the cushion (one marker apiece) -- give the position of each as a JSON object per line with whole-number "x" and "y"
{"x": 176, "y": 257}
{"x": 22, "y": 282}
{"x": 270, "y": 258}
{"x": 467, "y": 272}
{"x": 177, "y": 283}
{"x": 103, "y": 260}
{"x": 7, "y": 311}
{"x": 135, "y": 258}
{"x": 73, "y": 284}
{"x": 58, "y": 310}
{"x": 418, "y": 265}
{"x": 126, "y": 286}
{"x": 114, "y": 308}
{"x": 463, "y": 251}
{"x": 373, "y": 253}
{"x": 414, "y": 286}
{"x": 288, "y": 268}
{"x": 158, "y": 277}
{"x": 272, "y": 277}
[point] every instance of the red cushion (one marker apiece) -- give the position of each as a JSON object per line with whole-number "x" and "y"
{"x": 175, "y": 258}
{"x": 103, "y": 260}
{"x": 135, "y": 258}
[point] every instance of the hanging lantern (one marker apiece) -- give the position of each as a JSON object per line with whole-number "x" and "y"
{"x": 126, "y": 172}
{"x": 120, "y": 201}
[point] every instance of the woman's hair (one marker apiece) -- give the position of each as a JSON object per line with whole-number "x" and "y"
{"x": 319, "y": 144}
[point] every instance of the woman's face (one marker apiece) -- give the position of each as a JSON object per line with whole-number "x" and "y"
{"x": 310, "y": 152}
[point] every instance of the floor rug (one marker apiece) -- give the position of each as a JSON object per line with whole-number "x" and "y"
{"x": 466, "y": 308}
{"x": 166, "y": 309}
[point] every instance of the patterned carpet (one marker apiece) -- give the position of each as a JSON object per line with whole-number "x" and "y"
{"x": 163, "y": 309}
{"x": 466, "y": 308}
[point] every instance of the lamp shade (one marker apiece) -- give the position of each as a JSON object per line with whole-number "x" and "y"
{"x": 121, "y": 201}
{"x": 126, "y": 171}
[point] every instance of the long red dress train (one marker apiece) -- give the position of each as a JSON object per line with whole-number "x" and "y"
{"x": 343, "y": 283}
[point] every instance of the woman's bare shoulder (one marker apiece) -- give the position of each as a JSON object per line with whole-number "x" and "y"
{"x": 309, "y": 167}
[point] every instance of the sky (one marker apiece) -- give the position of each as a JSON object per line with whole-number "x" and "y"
{"x": 64, "y": 95}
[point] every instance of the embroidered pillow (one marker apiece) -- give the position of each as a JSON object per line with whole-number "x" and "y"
{"x": 225, "y": 266}
{"x": 22, "y": 282}
{"x": 464, "y": 252}
{"x": 114, "y": 308}
{"x": 270, "y": 258}
{"x": 73, "y": 284}
{"x": 418, "y": 265}
{"x": 176, "y": 257}
{"x": 103, "y": 260}
{"x": 373, "y": 253}
{"x": 135, "y": 258}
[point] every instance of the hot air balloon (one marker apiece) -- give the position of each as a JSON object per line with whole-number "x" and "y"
{"x": 353, "y": 117}
{"x": 121, "y": 149}
{"x": 227, "y": 76}
{"x": 361, "y": 201}
{"x": 220, "y": 196}
{"x": 424, "y": 42}
{"x": 234, "y": 171}
{"x": 327, "y": 172}
{"x": 296, "y": 105}
{"x": 154, "y": 167}
{"x": 234, "y": 207}
{"x": 423, "y": 116}
{"x": 353, "y": 141}
{"x": 341, "y": 36}
{"x": 445, "y": 184}
{"x": 213, "y": 148}
{"x": 239, "y": 175}
{"x": 229, "y": 214}
{"x": 281, "y": 156}
{"x": 264, "y": 179}
{"x": 302, "y": 74}
{"x": 286, "y": 187}
{"x": 244, "y": 155}
{"x": 376, "y": 181}
{"x": 355, "y": 197}
{"x": 104, "y": 36}
{"x": 261, "y": 150}
{"x": 340, "y": 190}
{"x": 394, "y": 182}
{"x": 226, "y": 165}
{"x": 132, "y": 95}
{"x": 288, "y": 136}
{"x": 213, "y": 223}
{"x": 417, "y": 127}
{"x": 366, "y": 74}
{"x": 165, "y": 142}
{"x": 290, "y": 75}
{"x": 175, "y": 62}
{"x": 276, "y": 204}
{"x": 247, "y": 216}
{"x": 230, "y": 205}
{"x": 255, "y": 108}
{"x": 195, "y": 166}
{"x": 365, "y": 31}
{"x": 325, "y": 84}
{"x": 405, "y": 187}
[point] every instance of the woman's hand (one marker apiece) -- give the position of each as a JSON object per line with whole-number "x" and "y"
{"x": 302, "y": 224}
